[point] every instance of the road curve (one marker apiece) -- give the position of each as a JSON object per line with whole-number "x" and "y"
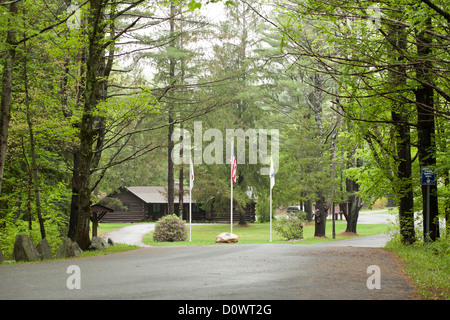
{"x": 131, "y": 234}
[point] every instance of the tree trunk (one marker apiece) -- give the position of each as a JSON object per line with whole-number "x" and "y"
{"x": 321, "y": 215}
{"x": 33, "y": 166}
{"x": 242, "y": 220}
{"x": 75, "y": 189}
{"x": 308, "y": 210}
{"x": 354, "y": 203}
{"x": 405, "y": 192}
{"x": 447, "y": 204}
{"x": 426, "y": 126}
{"x": 80, "y": 87}
{"x": 402, "y": 138}
{"x": 170, "y": 176}
{"x": 180, "y": 178}
{"x": 87, "y": 131}
{"x": 7, "y": 82}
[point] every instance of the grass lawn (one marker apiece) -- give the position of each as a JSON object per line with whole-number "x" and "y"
{"x": 107, "y": 227}
{"x": 260, "y": 233}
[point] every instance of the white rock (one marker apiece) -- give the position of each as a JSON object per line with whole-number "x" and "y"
{"x": 227, "y": 237}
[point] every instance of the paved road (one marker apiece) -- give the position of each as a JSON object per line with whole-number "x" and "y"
{"x": 335, "y": 270}
{"x": 229, "y": 271}
{"x": 375, "y": 241}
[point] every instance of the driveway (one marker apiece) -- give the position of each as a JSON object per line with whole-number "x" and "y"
{"x": 131, "y": 234}
{"x": 376, "y": 217}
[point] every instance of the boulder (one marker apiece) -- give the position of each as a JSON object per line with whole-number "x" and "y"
{"x": 227, "y": 237}
{"x": 76, "y": 248}
{"x": 111, "y": 242}
{"x": 66, "y": 249}
{"x": 44, "y": 250}
{"x": 24, "y": 249}
{"x": 97, "y": 243}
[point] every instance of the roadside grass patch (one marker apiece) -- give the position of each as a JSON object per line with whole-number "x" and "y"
{"x": 255, "y": 233}
{"x": 427, "y": 265}
{"x": 118, "y": 247}
{"x": 107, "y": 227}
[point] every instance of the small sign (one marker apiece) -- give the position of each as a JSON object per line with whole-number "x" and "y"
{"x": 428, "y": 176}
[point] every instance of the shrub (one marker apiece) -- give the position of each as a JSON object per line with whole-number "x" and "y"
{"x": 170, "y": 228}
{"x": 380, "y": 204}
{"x": 290, "y": 225}
{"x": 13, "y": 228}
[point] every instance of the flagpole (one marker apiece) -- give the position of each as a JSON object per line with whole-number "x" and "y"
{"x": 270, "y": 212}
{"x": 272, "y": 183}
{"x": 231, "y": 201}
{"x": 190, "y": 214}
{"x": 191, "y": 184}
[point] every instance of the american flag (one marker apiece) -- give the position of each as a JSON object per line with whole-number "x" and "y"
{"x": 233, "y": 164}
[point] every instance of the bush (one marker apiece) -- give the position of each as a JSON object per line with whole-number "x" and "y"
{"x": 170, "y": 228}
{"x": 13, "y": 228}
{"x": 380, "y": 204}
{"x": 290, "y": 225}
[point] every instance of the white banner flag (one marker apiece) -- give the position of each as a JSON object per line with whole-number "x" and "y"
{"x": 191, "y": 175}
{"x": 272, "y": 174}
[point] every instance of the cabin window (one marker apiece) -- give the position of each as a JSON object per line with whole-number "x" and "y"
{"x": 156, "y": 208}
{"x": 125, "y": 207}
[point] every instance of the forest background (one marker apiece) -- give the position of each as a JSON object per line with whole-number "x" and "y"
{"x": 92, "y": 92}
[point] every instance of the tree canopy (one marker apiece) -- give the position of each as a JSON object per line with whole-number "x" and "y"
{"x": 93, "y": 91}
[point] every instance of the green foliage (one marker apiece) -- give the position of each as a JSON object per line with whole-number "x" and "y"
{"x": 263, "y": 209}
{"x": 13, "y": 228}
{"x": 290, "y": 225}
{"x": 170, "y": 228}
{"x": 194, "y": 4}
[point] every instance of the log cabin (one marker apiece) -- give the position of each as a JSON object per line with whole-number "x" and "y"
{"x": 149, "y": 203}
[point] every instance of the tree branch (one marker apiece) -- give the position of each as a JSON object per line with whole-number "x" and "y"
{"x": 443, "y": 13}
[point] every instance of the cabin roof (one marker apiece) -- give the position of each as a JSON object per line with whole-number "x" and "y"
{"x": 154, "y": 194}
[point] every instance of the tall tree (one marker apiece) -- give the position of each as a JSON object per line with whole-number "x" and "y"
{"x": 377, "y": 87}
{"x": 92, "y": 125}
{"x": 426, "y": 130}
{"x": 7, "y": 83}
